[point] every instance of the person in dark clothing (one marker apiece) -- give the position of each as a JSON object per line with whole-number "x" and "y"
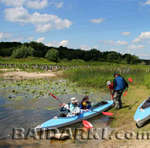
{"x": 119, "y": 85}
{"x": 85, "y": 103}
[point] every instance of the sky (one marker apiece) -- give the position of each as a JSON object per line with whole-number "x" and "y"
{"x": 107, "y": 25}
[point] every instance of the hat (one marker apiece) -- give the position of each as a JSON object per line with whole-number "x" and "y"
{"x": 74, "y": 99}
{"x": 108, "y": 83}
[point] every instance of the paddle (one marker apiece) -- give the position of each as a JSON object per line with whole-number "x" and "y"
{"x": 87, "y": 124}
{"x": 56, "y": 98}
{"x": 107, "y": 113}
{"x": 130, "y": 80}
{"x": 125, "y": 93}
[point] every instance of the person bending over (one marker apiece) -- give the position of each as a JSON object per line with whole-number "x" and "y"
{"x": 119, "y": 85}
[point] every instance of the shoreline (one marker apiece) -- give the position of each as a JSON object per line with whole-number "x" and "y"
{"x": 123, "y": 119}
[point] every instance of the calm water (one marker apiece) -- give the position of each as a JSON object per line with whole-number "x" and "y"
{"x": 24, "y": 110}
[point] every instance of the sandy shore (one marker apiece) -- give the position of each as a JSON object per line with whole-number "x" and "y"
{"x": 17, "y": 74}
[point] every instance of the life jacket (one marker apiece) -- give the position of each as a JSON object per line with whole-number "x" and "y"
{"x": 120, "y": 83}
{"x": 85, "y": 105}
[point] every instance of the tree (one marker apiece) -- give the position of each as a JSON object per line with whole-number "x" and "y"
{"x": 39, "y": 48}
{"x": 23, "y": 52}
{"x": 6, "y": 48}
{"x": 113, "y": 56}
{"x": 52, "y": 55}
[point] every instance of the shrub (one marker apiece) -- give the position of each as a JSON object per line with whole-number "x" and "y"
{"x": 52, "y": 55}
{"x": 22, "y": 52}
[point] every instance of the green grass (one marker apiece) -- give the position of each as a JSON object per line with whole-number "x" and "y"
{"x": 97, "y": 76}
{"x": 29, "y": 60}
{"x": 38, "y": 60}
{"x": 139, "y": 90}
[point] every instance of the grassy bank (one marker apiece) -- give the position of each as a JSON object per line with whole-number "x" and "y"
{"x": 139, "y": 90}
{"x": 97, "y": 76}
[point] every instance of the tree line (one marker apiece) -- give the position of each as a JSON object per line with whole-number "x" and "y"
{"x": 35, "y": 49}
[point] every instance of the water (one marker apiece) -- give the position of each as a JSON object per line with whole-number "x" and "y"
{"x": 26, "y": 105}
{"x": 11, "y": 118}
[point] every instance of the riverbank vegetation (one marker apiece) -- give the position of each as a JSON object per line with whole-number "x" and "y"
{"x": 57, "y": 54}
{"x": 88, "y": 71}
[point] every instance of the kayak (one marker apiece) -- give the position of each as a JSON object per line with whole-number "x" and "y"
{"x": 65, "y": 121}
{"x": 142, "y": 114}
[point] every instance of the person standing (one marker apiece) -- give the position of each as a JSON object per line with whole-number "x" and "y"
{"x": 110, "y": 87}
{"x": 119, "y": 85}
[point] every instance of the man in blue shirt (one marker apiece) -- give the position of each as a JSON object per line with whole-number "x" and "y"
{"x": 119, "y": 85}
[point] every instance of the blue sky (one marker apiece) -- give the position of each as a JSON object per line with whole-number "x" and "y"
{"x": 114, "y": 25}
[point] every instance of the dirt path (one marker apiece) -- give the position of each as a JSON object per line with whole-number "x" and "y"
{"x": 7, "y": 74}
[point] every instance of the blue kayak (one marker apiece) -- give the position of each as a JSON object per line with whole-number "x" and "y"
{"x": 142, "y": 113}
{"x": 65, "y": 121}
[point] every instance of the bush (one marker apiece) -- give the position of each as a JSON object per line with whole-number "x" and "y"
{"x": 78, "y": 61}
{"x": 23, "y": 52}
{"x": 52, "y": 55}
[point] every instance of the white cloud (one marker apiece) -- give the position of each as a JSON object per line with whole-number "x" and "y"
{"x": 41, "y": 39}
{"x": 53, "y": 44}
{"x": 114, "y": 43}
{"x": 4, "y": 35}
{"x": 60, "y": 24}
{"x": 147, "y": 2}
{"x": 49, "y": 44}
{"x": 125, "y": 33}
{"x": 107, "y": 42}
{"x": 41, "y": 18}
{"x": 31, "y": 38}
{"x": 18, "y": 14}
{"x": 37, "y": 4}
{"x": 85, "y": 47}
{"x": 133, "y": 46}
{"x": 122, "y": 42}
{"x": 97, "y": 21}
{"x": 13, "y": 3}
{"x": 142, "y": 36}
{"x": 43, "y": 28}
{"x": 17, "y": 39}
{"x": 64, "y": 43}
{"x": 59, "y": 5}
{"x": 56, "y": 4}
{"x": 33, "y": 4}
{"x": 42, "y": 22}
